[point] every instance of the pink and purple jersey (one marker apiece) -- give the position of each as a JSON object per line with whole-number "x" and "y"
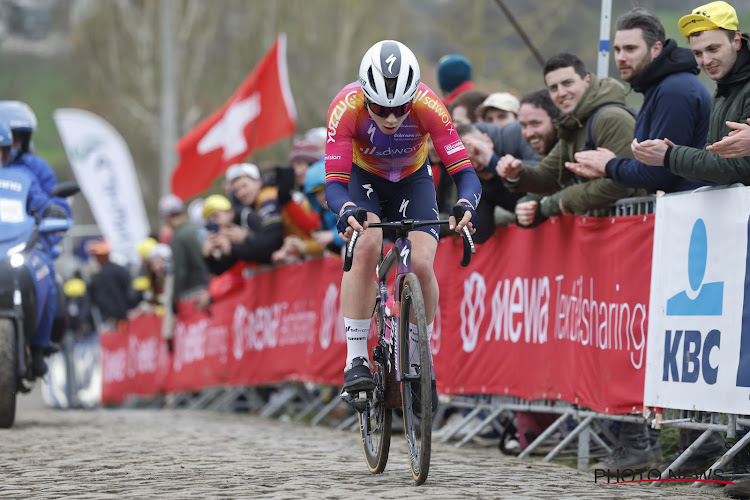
{"x": 354, "y": 138}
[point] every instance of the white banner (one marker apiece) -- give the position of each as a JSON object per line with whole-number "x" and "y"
{"x": 103, "y": 167}
{"x": 698, "y": 354}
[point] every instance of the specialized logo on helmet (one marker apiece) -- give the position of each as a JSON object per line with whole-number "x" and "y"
{"x": 389, "y": 60}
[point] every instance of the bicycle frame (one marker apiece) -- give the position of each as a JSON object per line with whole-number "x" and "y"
{"x": 398, "y": 256}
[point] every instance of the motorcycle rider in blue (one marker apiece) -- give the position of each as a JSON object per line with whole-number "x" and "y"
{"x": 22, "y": 122}
{"x": 19, "y": 187}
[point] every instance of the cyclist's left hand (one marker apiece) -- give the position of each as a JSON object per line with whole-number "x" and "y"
{"x": 469, "y": 219}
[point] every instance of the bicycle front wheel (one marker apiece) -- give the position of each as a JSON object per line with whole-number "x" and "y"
{"x": 416, "y": 378}
{"x": 375, "y": 422}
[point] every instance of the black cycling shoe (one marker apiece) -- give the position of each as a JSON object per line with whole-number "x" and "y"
{"x": 357, "y": 376}
{"x": 416, "y": 398}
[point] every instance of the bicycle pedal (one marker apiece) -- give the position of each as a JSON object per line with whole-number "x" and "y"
{"x": 357, "y": 401}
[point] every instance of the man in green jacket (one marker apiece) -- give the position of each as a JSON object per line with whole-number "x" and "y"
{"x": 578, "y": 95}
{"x": 188, "y": 268}
{"x": 723, "y": 53}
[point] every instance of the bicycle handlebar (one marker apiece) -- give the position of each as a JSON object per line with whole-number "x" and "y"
{"x": 407, "y": 225}
{"x": 361, "y": 215}
{"x": 469, "y": 250}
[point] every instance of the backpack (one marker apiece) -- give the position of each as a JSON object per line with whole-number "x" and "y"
{"x": 590, "y": 139}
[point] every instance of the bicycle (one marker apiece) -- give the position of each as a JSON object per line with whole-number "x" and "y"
{"x": 375, "y": 406}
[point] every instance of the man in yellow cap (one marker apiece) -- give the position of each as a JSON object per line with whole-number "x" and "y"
{"x": 722, "y": 52}
{"x": 219, "y": 214}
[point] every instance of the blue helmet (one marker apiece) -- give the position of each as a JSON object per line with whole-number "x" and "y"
{"x": 315, "y": 177}
{"x": 18, "y": 115}
{"x": 6, "y": 136}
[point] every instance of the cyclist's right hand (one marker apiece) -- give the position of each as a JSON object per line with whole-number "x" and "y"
{"x": 348, "y": 223}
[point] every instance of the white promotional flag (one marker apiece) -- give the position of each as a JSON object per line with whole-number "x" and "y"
{"x": 104, "y": 170}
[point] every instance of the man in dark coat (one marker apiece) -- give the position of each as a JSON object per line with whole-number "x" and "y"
{"x": 676, "y": 104}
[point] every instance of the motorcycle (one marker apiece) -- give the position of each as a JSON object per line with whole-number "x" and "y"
{"x": 20, "y": 263}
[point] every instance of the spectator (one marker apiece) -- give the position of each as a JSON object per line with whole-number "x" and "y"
{"x": 734, "y": 144}
{"x": 463, "y": 109}
{"x": 142, "y": 283}
{"x": 195, "y": 212}
{"x": 304, "y": 153}
{"x": 257, "y": 230}
{"x": 158, "y": 265}
{"x": 188, "y": 270}
{"x": 22, "y": 121}
{"x": 326, "y": 238}
{"x": 722, "y": 52}
{"x": 219, "y": 215}
{"x": 78, "y": 306}
{"x": 499, "y": 109}
{"x": 537, "y": 116}
{"x": 577, "y": 94}
{"x": 319, "y": 136}
{"x": 484, "y": 151}
{"x": 154, "y": 279}
{"x": 110, "y": 289}
{"x": 676, "y": 104}
{"x": 454, "y": 74}
{"x": 144, "y": 247}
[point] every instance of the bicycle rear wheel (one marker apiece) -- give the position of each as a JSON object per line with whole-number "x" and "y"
{"x": 375, "y": 422}
{"x": 416, "y": 389}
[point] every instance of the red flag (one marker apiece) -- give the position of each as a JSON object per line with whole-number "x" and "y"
{"x": 260, "y": 112}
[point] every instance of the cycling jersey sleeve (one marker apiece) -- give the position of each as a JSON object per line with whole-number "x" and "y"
{"x": 436, "y": 120}
{"x": 342, "y": 117}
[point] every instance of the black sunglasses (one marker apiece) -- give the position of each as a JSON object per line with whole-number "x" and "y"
{"x": 385, "y": 111}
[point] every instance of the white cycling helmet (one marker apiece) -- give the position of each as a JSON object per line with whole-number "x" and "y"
{"x": 389, "y": 59}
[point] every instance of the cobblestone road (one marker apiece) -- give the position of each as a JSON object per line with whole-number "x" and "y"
{"x": 115, "y": 453}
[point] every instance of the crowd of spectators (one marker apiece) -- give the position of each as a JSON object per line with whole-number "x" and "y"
{"x": 570, "y": 147}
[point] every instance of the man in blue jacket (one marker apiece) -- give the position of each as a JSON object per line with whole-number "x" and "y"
{"x": 38, "y": 204}
{"x": 22, "y": 122}
{"x": 676, "y": 104}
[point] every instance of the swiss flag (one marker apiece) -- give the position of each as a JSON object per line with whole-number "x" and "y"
{"x": 260, "y": 112}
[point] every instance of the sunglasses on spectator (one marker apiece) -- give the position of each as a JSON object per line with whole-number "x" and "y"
{"x": 385, "y": 111}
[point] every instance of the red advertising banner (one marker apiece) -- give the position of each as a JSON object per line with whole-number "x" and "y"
{"x": 283, "y": 325}
{"x": 135, "y": 362}
{"x": 558, "y": 312}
